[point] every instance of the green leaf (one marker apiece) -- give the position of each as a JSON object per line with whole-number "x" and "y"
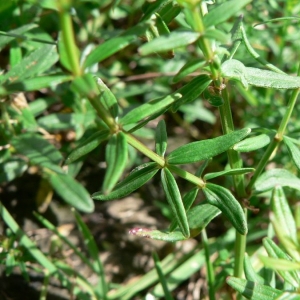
{"x": 276, "y": 177}
{"x": 169, "y": 11}
{"x": 64, "y": 58}
{"x": 274, "y": 251}
{"x": 198, "y": 218}
{"x": 108, "y": 98}
{"x": 132, "y": 128}
{"x": 88, "y": 145}
{"x": 115, "y": 44}
{"x": 165, "y": 43}
{"x": 11, "y": 169}
{"x": 188, "y": 200}
{"x": 93, "y": 250}
{"x": 13, "y": 34}
{"x": 61, "y": 121}
{"x": 71, "y": 191}
{"x": 34, "y": 84}
{"x": 192, "y": 90}
{"x": 149, "y": 8}
{"x": 252, "y": 290}
{"x": 223, "y": 12}
{"x": 137, "y": 178}
{"x": 201, "y": 150}
{"x": 161, "y": 138}
{"x": 39, "y": 105}
{"x": 35, "y": 63}
{"x": 148, "y": 109}
{"x": 116, "y": 158}
{"x": 230, "y": 207}
{"x": 28, "y": 120}
{"x": 216, "y": 35}
{"x": 288, "y": 296}
{"x": 238, "y": 171}
{"x": 188, "y": 68}
{"x": 285, "y": 225}
{"x": 235, "y": 70}
{"x": 174, "y": 198}
{"x": 161, "y": 276}
{"x": 38, "y": 150}
{"x": 280, "y": 264}
{"x": 294, "y": 151}
{"x": 250, "y": 273}
{"x": 254, "y": 143}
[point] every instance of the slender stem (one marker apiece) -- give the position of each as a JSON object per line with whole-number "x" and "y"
{"x": 239, "y": 183}
{"x": 103, "y": 113}
{"x": 227, "y": 125}
{"x": 68, "y": 37}
{"x": 209, "y": 266}
{"x": 142, "y": 148}
{"x": 161, "y": 161}
{"x": 187, "y": 176}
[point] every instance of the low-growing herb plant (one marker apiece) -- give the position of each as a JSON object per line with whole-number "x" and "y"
{"x": 254, "y": 101}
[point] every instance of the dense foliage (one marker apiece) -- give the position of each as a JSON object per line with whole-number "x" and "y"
{"x": 110, "y": 84}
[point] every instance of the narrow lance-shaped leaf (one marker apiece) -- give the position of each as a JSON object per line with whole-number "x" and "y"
{"x": 283, "y": 215}
{"x": 198, "y": 218}
{"x": 88, "y": 145}
{"x": 252, "y": 290}
{"x": 201, "y": 150}
{"x": 238, "y": 171}
{"x": 116, "y": 158}
{"x": 163, "y": 29}
{"x": 192, "y": 90}
{"x": 137, "y": 178}
{"x": 71, "y": 191}
{"x": 149, "y": 109}
{"x": 250, "y": 273}
{"x": 161, "y": 138}
{"x": 188, "y": 200}
{"x": 12, "y": 168}
{"x": 149, "y": 8}
{"x": 294, "y": 151}
{"x": 236, "y": 70}
{"x": 223, "y": 12}
{"x": 230, "y": 207}
{"x": 169, "y": 11}
{"x": 253, "y": 143}
{"x": 15, "y": 33}
{"x": 115, "y": 44}
{"x": 188, "y": 68}
{"x": 35, "y": 63}
{"x": 174, "y": 199}
{"x": 274, "y": 251}
{"x": 271, "y": 178}
{"x": 108, "y": 98}
{"x": 169, "y": 42}
{"x": 33, "y": 84}
{"x": 93, "y": 250}
{"x": 38, "y": 150}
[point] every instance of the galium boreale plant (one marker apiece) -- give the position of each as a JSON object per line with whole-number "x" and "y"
{"x": 96, "y": 106}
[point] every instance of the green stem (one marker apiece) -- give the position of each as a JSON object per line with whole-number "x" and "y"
{"x": 239, "y": 183}
{"x": 103, "y": 113}
{"x": 68, "y": 37}
{"x": 228, "y": 126}
{"x": 161, "y": 161}
{"x": 187, "y": 176}
{"x": 209, "y": 266}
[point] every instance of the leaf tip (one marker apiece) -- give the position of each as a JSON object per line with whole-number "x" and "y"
{"x": 140, "y": 232}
